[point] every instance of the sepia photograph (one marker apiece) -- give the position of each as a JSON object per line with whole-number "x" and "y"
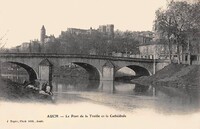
{"x": 100, "y": 64}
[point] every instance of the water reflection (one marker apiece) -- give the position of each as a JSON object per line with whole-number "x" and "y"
{"x": 132, "y": 89}
{"x": 162, "y": 99}
{"x": 173, "y": 100}
{"x": 66, "y": 85}
{"x": 73, "y": 84}
{"x": 127, "y": 95}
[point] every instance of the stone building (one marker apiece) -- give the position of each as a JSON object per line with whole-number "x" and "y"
{"x": 42, "y": 34}
{"x": 44, "y": 38}
{"x": 102, "y": 28}
{"x": 77, "y": 31}
{"x": 157, "y": 49}
{"x": 107, "y": 29}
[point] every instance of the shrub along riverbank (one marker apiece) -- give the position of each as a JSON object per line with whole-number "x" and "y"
{"x": 17, "y": 92}
{"x": 174, "y": 75}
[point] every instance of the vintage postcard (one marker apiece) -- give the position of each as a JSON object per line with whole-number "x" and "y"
{"x": 100, "y": 64}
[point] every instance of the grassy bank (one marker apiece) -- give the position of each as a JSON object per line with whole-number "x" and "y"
{"x": 174, "y": 75}
{"x": 11, "y": 91}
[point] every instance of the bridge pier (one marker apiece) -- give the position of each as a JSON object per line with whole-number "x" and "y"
{"x": 45, "y": 71}
{"x": 108, "y": 72}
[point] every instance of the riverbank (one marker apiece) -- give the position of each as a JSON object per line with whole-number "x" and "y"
{"x": 174, "y": 75}
{"x": 12, "y": 91}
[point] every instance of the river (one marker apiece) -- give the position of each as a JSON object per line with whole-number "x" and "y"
{"x": 144, "y": 107}
{"x": 127, "y": 96}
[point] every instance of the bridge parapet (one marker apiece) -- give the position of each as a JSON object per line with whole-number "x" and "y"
{"x": 54, "y": 55}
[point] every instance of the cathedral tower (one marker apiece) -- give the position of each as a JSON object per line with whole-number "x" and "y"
{"x": 43, "y": 34}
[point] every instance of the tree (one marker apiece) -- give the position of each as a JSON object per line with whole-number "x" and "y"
{"x": 52, "y": 47}
{"x": 178, "y": 23}
{"x": 3, "y": 42}
{"x": 164, "y": 27}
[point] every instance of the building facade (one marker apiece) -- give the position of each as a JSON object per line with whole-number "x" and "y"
{"x": 103, "y": 29}
{"x": 107, "y": 29}
{"x": 157, "y": 51}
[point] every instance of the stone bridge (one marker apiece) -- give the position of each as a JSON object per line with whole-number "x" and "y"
{"x": 41, "y": 66}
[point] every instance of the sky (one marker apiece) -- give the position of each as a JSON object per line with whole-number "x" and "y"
{"x": 21, "y": 20}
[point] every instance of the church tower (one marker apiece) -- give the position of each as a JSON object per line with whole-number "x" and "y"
{"x": 42, "y": 34}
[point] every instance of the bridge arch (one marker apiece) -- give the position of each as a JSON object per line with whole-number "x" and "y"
{"x": 31, "y": 72}
{"x": 139, "y": 70}
{"x": 94, "y": 73}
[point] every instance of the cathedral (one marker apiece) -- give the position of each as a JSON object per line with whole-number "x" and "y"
{"x": 44, "y": 38}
